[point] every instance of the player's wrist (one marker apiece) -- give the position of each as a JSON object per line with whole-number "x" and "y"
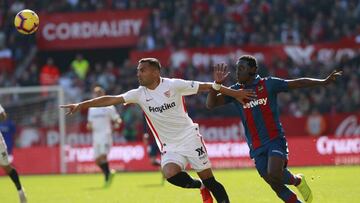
{"x": 216, "y": 86}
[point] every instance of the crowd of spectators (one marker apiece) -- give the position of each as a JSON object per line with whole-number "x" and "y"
{"x": 201, "y": 23}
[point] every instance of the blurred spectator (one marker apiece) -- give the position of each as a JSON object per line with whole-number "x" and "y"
{"x": 49, "y": 74}
{"x": 80, "y": 66}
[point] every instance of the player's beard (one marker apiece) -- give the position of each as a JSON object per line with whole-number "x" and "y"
{"x": 243, "y": 77}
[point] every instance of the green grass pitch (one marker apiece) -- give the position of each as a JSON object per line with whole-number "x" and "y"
{"x": 329, "y": 185}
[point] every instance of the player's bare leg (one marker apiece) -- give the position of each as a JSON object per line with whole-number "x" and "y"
{"x": 275, "y": 178}
{"x": 176, "y": 176}
{"x": 216, "y": 188}
{"x": 102, "y": 162}
{"x": 12, "y": 173}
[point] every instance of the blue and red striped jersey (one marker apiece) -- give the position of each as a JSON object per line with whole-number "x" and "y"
{"x": 260, "y": 117}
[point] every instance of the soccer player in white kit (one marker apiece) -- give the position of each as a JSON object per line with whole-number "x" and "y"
{"x": 5, "y": 164}
{"x": 178, "y": 138}
{"x": 101, "y": 121}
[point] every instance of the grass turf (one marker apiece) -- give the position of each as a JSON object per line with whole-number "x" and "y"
{"x": 329, "y": 185}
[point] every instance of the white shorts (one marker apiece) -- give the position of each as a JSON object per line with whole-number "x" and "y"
{"x": 101, "y": 148}
{"x": 4, "y": 158}
{"x": 195, "y": 155}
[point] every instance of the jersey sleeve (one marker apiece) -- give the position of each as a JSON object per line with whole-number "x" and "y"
{"x": 1, "y": 109}
{"x": 277, "y": 85}
{"x": 131, "y": 96}
{"x": 113, "y": 113}
{"x": 186, "y": 87}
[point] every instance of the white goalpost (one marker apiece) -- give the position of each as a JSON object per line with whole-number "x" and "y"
{"x": 37, "y": 107}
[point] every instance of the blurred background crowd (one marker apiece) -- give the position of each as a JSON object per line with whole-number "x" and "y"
{"x": 197, "y": 23}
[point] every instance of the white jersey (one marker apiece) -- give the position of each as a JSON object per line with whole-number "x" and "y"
{"x": 165, "y": 111}
{"x": 101, "y": 119}
{"x": 1, "y": 109}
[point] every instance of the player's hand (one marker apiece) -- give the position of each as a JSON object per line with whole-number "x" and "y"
{"x": 245, "y": 94}
{"x": 333, "y": 76}
{"x": 220, "y": 73}
{"x": 72, "y": 108}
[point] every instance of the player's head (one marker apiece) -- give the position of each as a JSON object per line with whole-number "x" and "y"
{"x": 246, "y": 68}
{"x": 98, "y": 91}
{"x": 148, "y": 71}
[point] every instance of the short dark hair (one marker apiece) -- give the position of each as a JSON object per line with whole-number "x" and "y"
{"x": 250, "y": 61}
{"x": 98, "y": 87}
{"x": 152, "y": 61}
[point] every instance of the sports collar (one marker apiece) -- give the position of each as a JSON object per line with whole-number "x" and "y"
{"x": 255, "y": 82}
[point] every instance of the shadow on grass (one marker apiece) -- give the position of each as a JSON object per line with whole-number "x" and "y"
{"x": 95, "y": 188}
{"x": 152, "y": 185}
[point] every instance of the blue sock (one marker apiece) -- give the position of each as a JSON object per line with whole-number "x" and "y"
{"x": 290, "y": 179}
{"x": 288, "y": 196}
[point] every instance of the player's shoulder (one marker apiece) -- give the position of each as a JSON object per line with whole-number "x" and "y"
{"x": 269, "y": 78}
{"x": 169, "y": 80}
{"x": 138, "y": 90}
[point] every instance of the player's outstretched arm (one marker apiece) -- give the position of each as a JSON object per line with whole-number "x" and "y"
{"x": 106, "y": 100}
{"x": 313, "y": 82}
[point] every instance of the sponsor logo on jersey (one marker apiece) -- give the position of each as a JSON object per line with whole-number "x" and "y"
{"x": 162, "y": 107}
{"x": 260, "y": 88}
{"x": 254, "y": 103}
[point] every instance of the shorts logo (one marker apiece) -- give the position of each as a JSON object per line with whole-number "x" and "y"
{"x": 200, "y": 150}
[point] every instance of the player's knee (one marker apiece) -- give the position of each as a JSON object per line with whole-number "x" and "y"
{"x": 7, "y": 168}
{"x": 170, "y": 170}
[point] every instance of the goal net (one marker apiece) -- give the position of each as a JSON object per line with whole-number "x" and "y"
{"x": 38, "y": 120}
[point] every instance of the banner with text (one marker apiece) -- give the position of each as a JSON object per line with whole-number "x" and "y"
{"x": 84, "y": 30}
{"x": 213, "y": 129}
{"x": 304, "y": 151}
{"x": 323, "y": 52}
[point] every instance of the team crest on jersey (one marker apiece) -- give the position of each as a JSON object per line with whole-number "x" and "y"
{"x": 167, "y": 93}
{"x": 260, "y": 88}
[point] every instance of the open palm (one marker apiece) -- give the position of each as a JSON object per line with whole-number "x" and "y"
{"x": 220, "y": 73}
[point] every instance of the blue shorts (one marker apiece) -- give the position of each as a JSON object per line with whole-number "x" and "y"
{"x": 277, "y": 147}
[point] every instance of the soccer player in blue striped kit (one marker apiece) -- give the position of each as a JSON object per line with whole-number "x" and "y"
{"x": 260, "y": 117}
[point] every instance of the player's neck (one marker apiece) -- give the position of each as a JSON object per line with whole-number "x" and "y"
{"x": 154, "y": 85}
{"x": 250, "y": 81}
